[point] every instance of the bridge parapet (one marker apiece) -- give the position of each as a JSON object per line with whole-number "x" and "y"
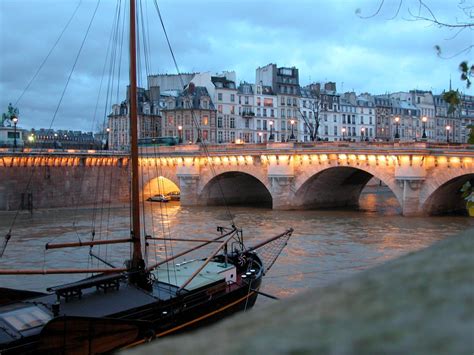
{"x": 287, "y": 170}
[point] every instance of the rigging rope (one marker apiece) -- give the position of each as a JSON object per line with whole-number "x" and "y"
{"x": 49, "y": 53}
{"x": 196, "y": 122}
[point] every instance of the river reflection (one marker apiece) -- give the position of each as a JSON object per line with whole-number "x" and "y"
{"x": 326, "y": 245}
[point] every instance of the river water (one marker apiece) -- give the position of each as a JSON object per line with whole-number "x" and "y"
{"x": 326, "y": 245}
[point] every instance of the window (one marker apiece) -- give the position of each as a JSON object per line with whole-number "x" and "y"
{"x": 259, "y": 101}
{"x": 265, "y": 125}
{"x": 247, "y": 124}
{"x": 219, "y": 96}
{"x": 246, "y": 100}
{"x": 326, "y": 130}
{"x": 219, "y": 121}
{"x": 219, "y": 108}
{"x": 335, "y": 118}
{"x": 259, "y": 126}
{"x": 219, "y": 137}
{"x": 264, "y": 112}
{"x": 232, "y": 97}
{"x": 13, "y": 134}
{"x": 272, "y": 113}
{"x": 335, "y": 130}
{"x": 232, "y": 122}
{"x": 294, "y": 101}
{"x": 268, "y": 102}
{"x": 232, "y": 109}
{"x": 343, "y": 118}
{"x": 232, "y": 136}
{"x": 205, "y": 120}
{"x": 282, "y": 113}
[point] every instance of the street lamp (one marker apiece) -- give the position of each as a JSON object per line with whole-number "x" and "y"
{"x": 343, "y": 130}
{"x": 362, "y": 131}
{"x": 292, "y": 137}
{"x": 424, "y": 119}
{"x": 180, "y": 134}
{"x": 271, "y": 138}
{"x": 15, "y": 121}
{"x": 260, "y": 136}
{"x": 106, "y": 146}
{"x": 55, "y": 143}
{"x": 448, "y": 128}
{"x": 397, "y": 134}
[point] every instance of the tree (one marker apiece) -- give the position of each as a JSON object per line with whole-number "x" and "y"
{"x": 417, "y": 10}
{"x": 470, "y": 140}
{"x": 315, "y": 107}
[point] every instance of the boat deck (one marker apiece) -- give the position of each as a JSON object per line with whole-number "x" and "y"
{"x": 93, "y": 303}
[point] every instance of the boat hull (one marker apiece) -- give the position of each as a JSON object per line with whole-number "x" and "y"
{"x": 75, "y": 334}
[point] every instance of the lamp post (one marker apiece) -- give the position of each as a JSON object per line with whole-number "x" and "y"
{"x": 343, "y": 130}
{"x": 15, "y": 121}
{"x": 448, "y": 128}
{"x": 362, "y": 131}
{"x": 292, "y": 137}
{"x": 180, "y": 134}
{"x": 271, "y": 138}
{"x": 55, "y": 143}
{"x": 423, "y": 120}
{"x": 106, "y": 147}
{"x": 260, "y": 136}
{"x": 397, "y": 134}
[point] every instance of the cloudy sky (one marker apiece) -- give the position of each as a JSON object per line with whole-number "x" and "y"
{"x": 325, "y": 40}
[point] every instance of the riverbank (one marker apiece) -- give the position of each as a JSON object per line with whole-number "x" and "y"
{"x": 420, "y": 303}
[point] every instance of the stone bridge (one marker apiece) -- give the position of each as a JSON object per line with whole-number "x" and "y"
{"x": 424, "y": 178}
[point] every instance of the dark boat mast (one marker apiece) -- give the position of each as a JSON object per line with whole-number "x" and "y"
{"x": 137, "y": 261}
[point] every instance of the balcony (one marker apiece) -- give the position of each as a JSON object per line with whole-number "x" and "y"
{"x": 248, "y": 114}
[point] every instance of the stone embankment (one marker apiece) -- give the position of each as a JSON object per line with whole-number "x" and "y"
{"x": 421, "y": 303}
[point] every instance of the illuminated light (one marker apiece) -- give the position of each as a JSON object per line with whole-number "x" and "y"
{"x": 217, "y": 160}
{"x": 249, "y": 159}
{"x": 163, "y": 161}
{"x": 91, "y": 151}
{"x": 305, "y": 158}
{"x": 225, "y": 160}
{"x": 188, "y": 161}
{"x": 454, "y": 160}
{"x": 241, "y": 160}
{"x": 323, "y": 157}
{"x": 371, "y": 158}
{"x": 381, "y": 158}
{"x": 263, "y": 158}
{"x": 442, "y": 160}
{"x": 272, "y": 158}
{"x": 361, "y": 157}
{"x": 179, "y": 161}
{"x": 342, "y": 156}
{"x": 71, "y": 150}
{"x": 233, "y": 160}
{"x": 170, "y": 161}
{"x": 467, "y": 160}
{"x": 283, "y": 158}
{"x": 352, "y": 157}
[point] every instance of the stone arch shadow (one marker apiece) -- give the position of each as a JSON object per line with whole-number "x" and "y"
{"x": 338, "y": 187}
{"x": 447, "y": 198}
{"x": 238, "y": 188}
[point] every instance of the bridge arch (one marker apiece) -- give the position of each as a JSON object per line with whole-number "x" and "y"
{"x": 239, "y": 188}
{"x": 442, "y": 194}
{"x": 338, "y": 186}
{"x": 158, "y": 185}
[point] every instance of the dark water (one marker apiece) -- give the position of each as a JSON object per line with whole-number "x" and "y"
{"x": 326, "y": 245}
